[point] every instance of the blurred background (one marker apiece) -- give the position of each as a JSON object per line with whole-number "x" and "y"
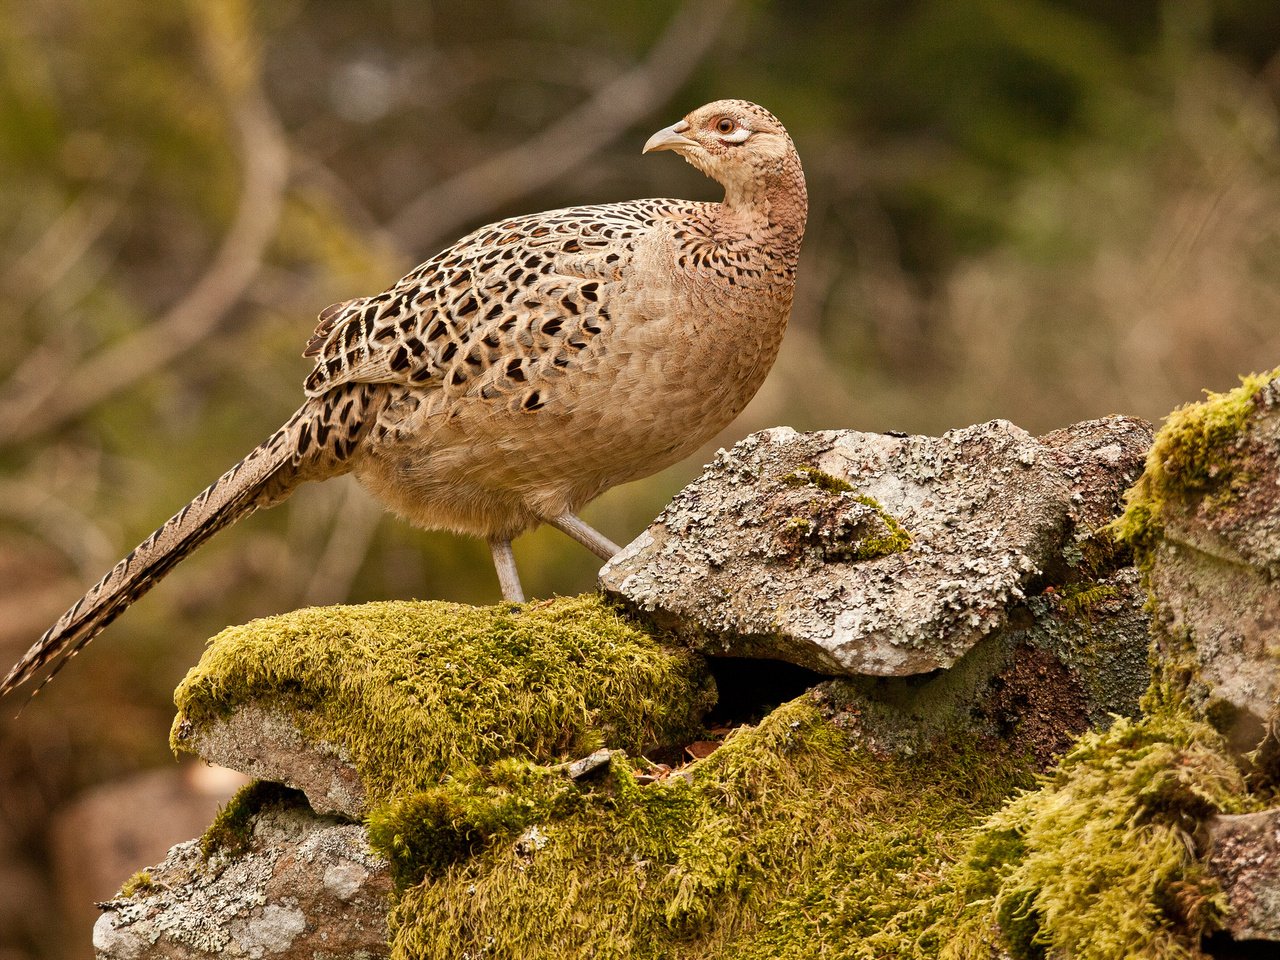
{"x": 1041, "y": 210}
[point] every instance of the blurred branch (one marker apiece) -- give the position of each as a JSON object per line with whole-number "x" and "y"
{"x": 27, "y": 411}
{"x": 59, "y": 249}
{"x": 71, "y": 531}
{"x": 546, "y": 157}
{"x": 340, "y": 193}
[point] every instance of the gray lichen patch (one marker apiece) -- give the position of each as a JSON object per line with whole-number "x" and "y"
{"x": 865, "y": 554}
{"x": 268, "y": 898}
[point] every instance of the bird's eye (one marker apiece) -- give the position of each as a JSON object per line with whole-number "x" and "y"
{"x": 725, "y": 125}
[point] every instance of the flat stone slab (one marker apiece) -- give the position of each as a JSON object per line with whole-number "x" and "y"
{"x": 265, "y": 743}
{"x": 306, "y": 888}
{"x": 872, "y": 554}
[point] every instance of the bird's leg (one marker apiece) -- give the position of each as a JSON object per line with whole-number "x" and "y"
{"x": 593, "y": 540}
{"x": 504, "y": 562}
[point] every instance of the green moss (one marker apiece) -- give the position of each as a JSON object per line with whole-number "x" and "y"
{"x": 140, "y": 884}
{"x": 1097, "y": 862}
{"x": 813, "y": 477}
{"x": 833, "y": 539}
{"x": 788, "y": 841}
{"x": 414, "y": 690}
{"x": 232, "y": 828}
{"x": 895, "y": 539}
{"x": 1192, "y": 455}
{"x": 423, "y": 834}
{"x": 1078, "y": 600}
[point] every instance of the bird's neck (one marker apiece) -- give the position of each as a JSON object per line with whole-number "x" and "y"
{"x": 777, "y": 202}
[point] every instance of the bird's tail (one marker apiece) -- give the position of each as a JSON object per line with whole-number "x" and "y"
{"x": 266, "y": 476}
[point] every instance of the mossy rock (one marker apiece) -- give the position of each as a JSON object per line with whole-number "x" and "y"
{"x": 1098, "y": 863}
{"x": 1196, "y": 455}
{"x": 412, "y": 691}
{"x": 1204, "y": 522}
{"x": 791, "y": 840}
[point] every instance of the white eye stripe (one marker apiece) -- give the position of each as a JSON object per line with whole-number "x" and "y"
{"x": 738, "y": 135}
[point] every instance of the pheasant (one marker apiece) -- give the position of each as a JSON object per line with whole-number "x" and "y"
{"x": 526, "y": 369}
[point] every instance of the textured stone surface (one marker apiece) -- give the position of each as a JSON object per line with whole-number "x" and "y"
{"x": 1061, "y": 667}
{"x": 307, "y": 888}
{"x": 1244, "y": 855}
{"x": 102, "y": 836}
{"x": 266, "y": 744}
{"x": 773, "y": 552}
{"x": 1215, "y": 576}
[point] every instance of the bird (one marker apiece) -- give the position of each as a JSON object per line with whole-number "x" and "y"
{"x": 518, "y": 374}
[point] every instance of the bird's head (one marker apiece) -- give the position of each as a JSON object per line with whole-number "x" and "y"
{"x": 739, "y": 144}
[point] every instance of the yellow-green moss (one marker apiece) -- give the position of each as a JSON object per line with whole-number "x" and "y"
{"x": 424, "y": 833}
{"x": 232, "y": 828}
{"x": 1097, "y": 863}
{"x": 413, "y": 690}
{"x": 140, "y": 884}
{"x": 894, "y": 539}
{"x": 1191, "y": 455}
{"x": 788, "y": 841}
{"x": 812, "y": 476}
{"x": 1079, "y": 600}
{"x": 793, "y": 842}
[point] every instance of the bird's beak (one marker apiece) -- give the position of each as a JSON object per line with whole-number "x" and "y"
{"x": 668, "y": 138}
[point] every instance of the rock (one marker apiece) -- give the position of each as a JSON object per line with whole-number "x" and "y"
{"x": 1205, "y": 518}
{"x": 1244, "y": 856}
{"x": 100, "y": 838}
{"x": 263, "y": 741}
{"x": 1066, "y": 662}
{"x": 306, "y": 887}
{"x": 866, "y": 554}
{"x": 979, "y": 621}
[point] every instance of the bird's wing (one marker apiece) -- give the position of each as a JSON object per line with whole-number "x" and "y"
{"x": 524, "y": 291}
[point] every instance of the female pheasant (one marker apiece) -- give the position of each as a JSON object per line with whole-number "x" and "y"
{"x": 521, "y": 372}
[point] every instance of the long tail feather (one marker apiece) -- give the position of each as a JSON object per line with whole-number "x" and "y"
{"x": 267, "y": 475}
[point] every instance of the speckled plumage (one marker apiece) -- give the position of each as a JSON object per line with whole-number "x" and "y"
{"x": 534, "y": 364}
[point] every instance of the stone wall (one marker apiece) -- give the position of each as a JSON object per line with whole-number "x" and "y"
{"x": 938, "y": 620}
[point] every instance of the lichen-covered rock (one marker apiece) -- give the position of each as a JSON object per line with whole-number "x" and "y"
{"x": 1071, "y": 659}
{"x": 1244, "y": 857}
{"x": 868, "y": 554}
{"x": 356, "y": 704}
{"x": 1205, "y": 522}
{"x": 302, "y": 887}
{"x": 109, "y": 829}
